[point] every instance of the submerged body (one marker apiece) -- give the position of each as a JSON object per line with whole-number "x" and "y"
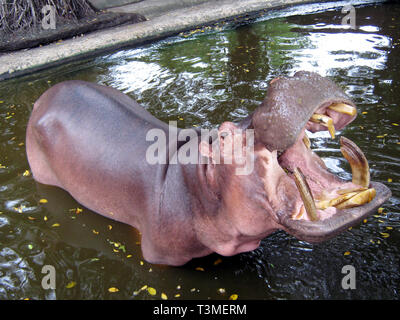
{"x": 91, "y": 141}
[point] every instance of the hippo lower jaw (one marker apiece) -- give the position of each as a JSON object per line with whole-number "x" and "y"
{"x": 327, "y": 204}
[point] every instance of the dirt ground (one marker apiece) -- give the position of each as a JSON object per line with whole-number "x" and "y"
{"x": 65, "y": 29}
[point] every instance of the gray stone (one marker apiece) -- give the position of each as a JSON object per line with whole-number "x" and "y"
{"x": 104, "y": 4}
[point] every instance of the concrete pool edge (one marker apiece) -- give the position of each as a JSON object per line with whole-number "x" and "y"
{"x": 170, "y": 23}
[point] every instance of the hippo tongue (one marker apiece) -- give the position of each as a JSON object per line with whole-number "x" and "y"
{"x": 305, "y": 100}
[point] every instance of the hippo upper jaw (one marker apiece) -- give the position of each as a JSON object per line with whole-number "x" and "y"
{"x": 290, "y": 105}
{"x": 323, "y": 205}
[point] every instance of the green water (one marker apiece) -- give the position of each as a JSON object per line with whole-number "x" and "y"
{"x": 203, "y": 79}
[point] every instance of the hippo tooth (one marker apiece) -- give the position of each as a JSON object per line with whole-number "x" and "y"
{"x": 305, "y": 194}
{"x": 306, "y": 141}
{"x": 359, "y": 199}
{"x": 325, "y": 121}
{"x": 348, "y": 200}
{"x": 322, "y": 205}
{"x": 344, "y": 108}
{"x": 357, "y": 160}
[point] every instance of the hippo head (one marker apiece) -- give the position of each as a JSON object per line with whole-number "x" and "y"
{"x": 290, "y": 187}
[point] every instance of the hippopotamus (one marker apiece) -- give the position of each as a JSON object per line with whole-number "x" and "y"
{"x": 92, "y": 141}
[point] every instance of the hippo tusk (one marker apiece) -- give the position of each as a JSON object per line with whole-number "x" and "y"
{"x": 325, "y": 121}
{"x": 357, "y": 160}
{"x": 305, "y": 194}
{"x": 344, "y": 108}
{"x": 348, "y": 200}
{"x": 306, "y": 141}
{"x": 359, "y": 199}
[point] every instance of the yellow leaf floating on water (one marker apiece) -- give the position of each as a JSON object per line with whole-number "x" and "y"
{"x": 43, "y": 201}
{"x": 152, "y": 291}
{"x": 26, "y": 173}
{"x": 19, "y": 209}
{"x": 389, "y": 180}
{"x": 346, "y": 253}
{"x": 380, "y": 210}
{"x": 233, "y": 297}
{"x": 199, "y": 269}
{"x": 217, "y": 262}
{"x": 95, "y": 232}
{"x": 55, "y": 225}
{"x": 385, "y": 234}
{"x": 164, "y": 296}
{"x": 70, "y": 285}
{"x": 113, "y": 289}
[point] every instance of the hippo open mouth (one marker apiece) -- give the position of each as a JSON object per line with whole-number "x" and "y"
{"x": 327, "y": 205}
